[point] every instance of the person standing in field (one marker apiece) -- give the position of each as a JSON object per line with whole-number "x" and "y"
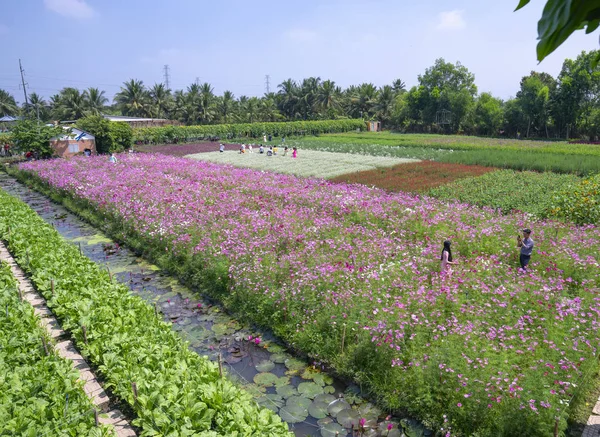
{"x": 250, "y": 148}
{"x": 294, "y": 153}
{"x": 264, "y": 138}
{"x": 446, "y": 257}
{"x": 526, "y": 245}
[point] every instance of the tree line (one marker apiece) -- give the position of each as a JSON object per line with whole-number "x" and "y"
{"x": 445, "y": 100}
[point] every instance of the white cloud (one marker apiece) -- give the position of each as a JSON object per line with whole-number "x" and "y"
{"x": 451, "y": 20}
{"x": 4, "y": 29}
{"x": 70, "y": 8}
{"x": 301, "y": 35}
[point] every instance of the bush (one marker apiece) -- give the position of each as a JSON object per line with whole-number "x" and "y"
{"x": 100, "y": 128}
{"x": 579, "y": 203}
{"x": 168, "y": 134}
{"x": 121, "y": 135}
{"x": 30, "y": 136}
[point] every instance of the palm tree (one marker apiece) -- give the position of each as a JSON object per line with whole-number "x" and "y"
{"x": 307, "y": 95}
{"x": 207, "y": 99}
{"x": 384, "y": 103}
{"x": 37, "y": 107}
{"x": 71, "y": 104}
{"x": 133, "y": 99}
{"x": 268, "y": 110}
{"x": 327, "y": 99}
{"x": 161, "y": 100}
{"x": 399, "y": 86}
{"x": 361, "y": 100}
{"x": 8, "y": 105}
{"x": 226, "y": 105}
{"x": 95, "y": 101}
{"x": 288, "y": 99}
{"x": 249, "y": 112}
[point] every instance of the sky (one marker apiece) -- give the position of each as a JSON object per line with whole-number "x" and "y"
{"x": 234, "y": 44}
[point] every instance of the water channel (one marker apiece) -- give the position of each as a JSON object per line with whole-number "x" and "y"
{"x": 311, "y": 401}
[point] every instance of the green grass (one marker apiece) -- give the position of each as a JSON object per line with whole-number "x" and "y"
{"x": 508, "y": 190}
{"x": 558, "y": 157}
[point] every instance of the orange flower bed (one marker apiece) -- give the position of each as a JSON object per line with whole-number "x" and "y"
{"x": 415, "y": 177}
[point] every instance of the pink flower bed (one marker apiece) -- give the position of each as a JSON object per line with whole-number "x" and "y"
{"x": 331, "y": 266}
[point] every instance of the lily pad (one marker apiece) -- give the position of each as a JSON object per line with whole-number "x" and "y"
{"x": 265, "y": 366}
{"x": 266, "y": 379}
{"x": 286, "y": 391}
{"x": 271, "y": 401}
{"x": 412, "y": 428}
{"x": 333, "y": 430}
{"x": 329, "y": 389}
{"x": 298, "y": 401}
{"x": 294, "y": 365}
{"x": 394, "y": 432}
{"x": 255, "y": 390}
{"x": 318, "y": 410}
{"x": 325, "y": 421}
{"x": 369, "y": 411}
{"x": 282, "y": 381}
{"x": 327, "y": 398}
{"x": 336, "y": 406}
{"x": 348, "y": 418}
{"x": 279, "y": 358}
{"x": 322, "y": 379}
{"x": 275, "y": 348}
{"x": 309, "y": 389}
{"x": 221, "y": 330}
{"x": 293, "y": 413}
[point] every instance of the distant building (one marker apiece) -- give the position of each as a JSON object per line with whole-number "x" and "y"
{"x": 142, "y": 122}
{"x": 374, "y": 126}
{"x": 73, "y": 143}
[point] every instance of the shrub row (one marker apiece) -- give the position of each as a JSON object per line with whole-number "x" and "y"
{"x": 579, "y": 203}
{"x": 179, "y": 392}
{"x": 39, "y": 391}
{"x": 179, "y": 134}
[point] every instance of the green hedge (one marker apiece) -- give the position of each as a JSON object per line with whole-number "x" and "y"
{"x": 179, "y": 392}
{"x": 170, "y": 134}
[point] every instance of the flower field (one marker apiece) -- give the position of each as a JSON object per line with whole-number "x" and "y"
{"x": 309, "y": 163}
{"x": 556, "y": 156}
{"x": 350, "y": 276}
{"x": 415, "y": 177}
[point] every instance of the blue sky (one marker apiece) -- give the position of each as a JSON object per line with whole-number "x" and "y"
{"x": 234, "y": 44}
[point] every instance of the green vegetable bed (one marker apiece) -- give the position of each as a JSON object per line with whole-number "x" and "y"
{"x": 39, "y": 391}
{"x": 179, "y": 392}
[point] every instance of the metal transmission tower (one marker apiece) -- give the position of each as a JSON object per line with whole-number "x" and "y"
{"x": 166, "y": 75}
{"x": 267, "y": 83}
{"x": 23, "y": 82}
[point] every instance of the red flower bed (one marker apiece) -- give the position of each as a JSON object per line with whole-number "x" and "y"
{"x": 414, "y": 177}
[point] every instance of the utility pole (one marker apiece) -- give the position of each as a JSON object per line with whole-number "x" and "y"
{"x": 197, "y": 80}
{"x": 23, "y": 82}
{"x": 166, "y": 75}
{"x": 267, "y": 83}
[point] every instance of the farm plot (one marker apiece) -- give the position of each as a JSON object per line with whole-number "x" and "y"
{"x": 309, "y": 163}
{"x": 350, "y": 275}
{"x": 414, "y": 177}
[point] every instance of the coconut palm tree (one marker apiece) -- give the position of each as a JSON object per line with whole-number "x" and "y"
{"x": 70, "y": 104}
{"x": 288, "y": 98}
{"x": 384, "y": 103}
{"x": 399, "y": 86}
{"x": 37, "y": 107}
{"x": 133, "y": 99}
{"x": 8, "y": 105}
{"x": 162, "y": 101}
{"x": 328, "y": 98}
{"x": 207, "y": 100}
{"x": 226, "y": 106}
{"x": 267, "y": 110}
{"x": 95, "y": 101}
{"x": 249, "y": 111}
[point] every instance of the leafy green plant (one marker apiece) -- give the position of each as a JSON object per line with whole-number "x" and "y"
{"x": 32, "y": 136}
{"x": 178, "y": 392}
{"x": 508, "y": 190}
{"x": 39, "y": 391}
{"x": 579, "y": 203}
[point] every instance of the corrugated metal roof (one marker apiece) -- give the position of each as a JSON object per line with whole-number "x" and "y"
{"x": 75, "y": 134}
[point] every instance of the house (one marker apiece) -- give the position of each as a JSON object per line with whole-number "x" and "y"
{"x": 73, "y": 142}
{"x": 374, "y": 126}
{"x": 141, "y": 122}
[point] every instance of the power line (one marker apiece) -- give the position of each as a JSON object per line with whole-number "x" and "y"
{"x": 167, "y": 81}
{"x": 23, "y": 82}
{"x": 267, "y": 83}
